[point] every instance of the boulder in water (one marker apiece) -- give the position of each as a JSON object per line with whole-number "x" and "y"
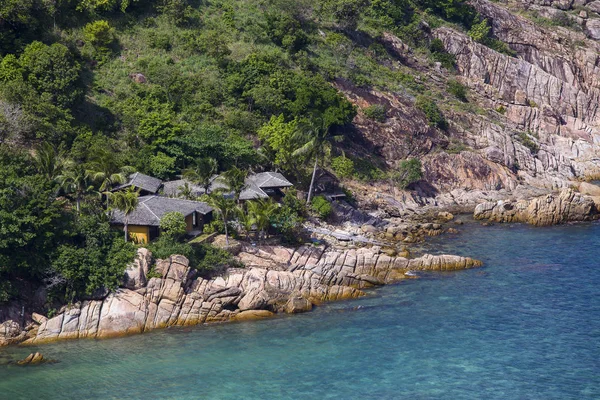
{"x": 298, "y": 304}
{"x": 32, "y": 359}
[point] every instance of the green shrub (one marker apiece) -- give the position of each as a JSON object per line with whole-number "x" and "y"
{"x": 480, "y": 32}
{"x": 439, "y": 54}
{"x": 528, "y": 142}
{"x": 365, "y": 170}
{"x": 159, "y": 41}
{"x": 455, "y": 146}
{"x": 173, "y": 225}
{"x": 99, "y": 33}
{"x": 408, "y": 172}
{"x": 321, "y": 207}
{"x": 166, "y": 246}
{"x": 215, "y": 226}
{"x": 342, "y": 166}
{"x": 457, "y": 89}
{"x": 287, "y": 222}
{"x": 501, "y": 110}
{"x": 95, "y": 258}
{"x": 291, "y": 201}
{"x": 203, "y": 257}
{"x": 375, "y": 112}
{"x": 212, "y": 259}
{"x": 432, "y": 112}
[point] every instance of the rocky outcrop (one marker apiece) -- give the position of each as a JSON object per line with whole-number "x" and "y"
{"x": 299, "y": 279}
{"x": 546, "y": 210}
{"x": 10, "y": 333}
{"x": 136, "y": 272}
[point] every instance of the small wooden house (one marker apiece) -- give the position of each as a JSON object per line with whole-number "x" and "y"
{"x": 144, "y": 221}
{"x": 258, "y": 186}
{"x": 147, "y": 185}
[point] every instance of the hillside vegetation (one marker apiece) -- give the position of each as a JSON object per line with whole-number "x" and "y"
{"x": 91, "y": 89}
{"x": 451, "y": 99}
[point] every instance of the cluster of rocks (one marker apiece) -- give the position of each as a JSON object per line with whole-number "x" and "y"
{"x": 33, "y": 359}
{"x": 276, "y": 280}
{"x": 550, "y": 209}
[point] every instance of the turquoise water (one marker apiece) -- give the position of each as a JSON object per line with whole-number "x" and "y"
{"x": 526, "y": 326}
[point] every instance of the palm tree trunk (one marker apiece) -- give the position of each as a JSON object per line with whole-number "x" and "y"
{"x": 312, "y": 180}
{"x": 226, "y": 232}
{"x": 126, "y": 229}
{"x": 78, "y": 203}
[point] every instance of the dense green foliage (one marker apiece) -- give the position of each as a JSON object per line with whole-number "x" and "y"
{"x": 432, "y": 112}
{"x": 321, "y": 207}
{"x": 375, "y": 112}
{"x": 173, "y": 224}
{"x": 457, "y": 89}
{"x": 343, "y": 166}
{"x": 95, "y": 89}
{"x": 409, "y": 171}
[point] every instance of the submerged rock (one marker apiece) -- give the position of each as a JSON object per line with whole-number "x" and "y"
{"x": 32, "y": 359}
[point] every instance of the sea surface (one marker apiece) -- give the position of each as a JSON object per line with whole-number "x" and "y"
{"x": 525, "y": 326}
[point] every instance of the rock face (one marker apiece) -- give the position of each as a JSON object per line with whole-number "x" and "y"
{"x": 299, "y": 278}
{"x": 135, "y": 274}
{"x": 537, "y": 127}
{"x": 541, "y": 211}
{"x": 10, "y": 332}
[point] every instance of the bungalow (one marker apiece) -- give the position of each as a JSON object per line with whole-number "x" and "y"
{"x": 258, "y": 186}
{"x": 144, "y": 221}
{"x": 147, "y": 185}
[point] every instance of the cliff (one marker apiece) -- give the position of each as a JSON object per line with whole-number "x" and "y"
{"x": 530, "y": 124}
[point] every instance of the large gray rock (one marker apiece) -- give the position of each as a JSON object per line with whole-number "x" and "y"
{"x": 136, "y": 272}
{"x": 541, "y": 211}
{"x": 592, "y": 29}
{"x": 10, "y": 332}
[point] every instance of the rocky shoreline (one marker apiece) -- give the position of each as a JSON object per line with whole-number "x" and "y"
{"x": 278, "y": 279}
{"x": 295, "y": 281}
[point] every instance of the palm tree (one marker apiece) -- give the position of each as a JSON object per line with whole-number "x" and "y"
{"x": 126, "y": 201}
{"x": 224, "y": 206}
{"x": 106, "y": 170}
{"x": 75, "y": 180}
{"x": 235, "y": 181}
{"x": 246, "y": 220}
{"x": 202, "y": 172}
{"x": 317, "y": 138}
{"x": 186, "y": 192}
{"x": 48, "y": 160}
{"x": 262, "y": 210}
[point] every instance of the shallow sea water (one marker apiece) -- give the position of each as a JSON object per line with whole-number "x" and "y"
{"x": 525, "y": 326}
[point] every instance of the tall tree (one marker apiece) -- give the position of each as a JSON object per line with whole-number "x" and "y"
{"x": 202, "y": 172}
{"x": 245, "y": 219}
{"x": 126, "y": 201}
{"x": 317, "y": 138}
{"x": 224, "y": 207}
{"x": 48, "y": 160}
{"x": 235, "y": 181}
{"x": 262, "y": 210}
{"x": 76, "y": 181}
{"x": 105, "y": 170}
